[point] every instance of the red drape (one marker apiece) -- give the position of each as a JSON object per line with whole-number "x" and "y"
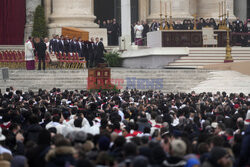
{"x": 12, "y": 22}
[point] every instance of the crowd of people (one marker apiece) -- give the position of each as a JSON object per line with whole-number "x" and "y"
{"x": 113, "y": 30}
{"x": 139, "y": 29}
{"x": 93, "y": 50}
{"x": 125, "y": 129}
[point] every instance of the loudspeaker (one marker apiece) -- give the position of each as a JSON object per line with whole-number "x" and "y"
{"x": 5, "y": 73}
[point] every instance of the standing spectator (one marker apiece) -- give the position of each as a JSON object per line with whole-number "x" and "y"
{"x": 61, "y": 44}
{"x": 79, "y": 47}
{"x": 51, "y": 43}
{"x": 100, "y": 51}
{"x": 154, "y": 26}
{"x": 92, "y": 52}
{"x": 104, "y": 24}
{"x": 115, "y": 32}
{"x": 41, "y": 53}
{"x": 73, "y": 46}
{"x": 66, "y": 45}
{"x": 138, "y": 34}
{"x": 144, "y": 32}
{"x": 29, "y": 54}
{"x": 109, "y": 31}
{"x": 46, "y": 41}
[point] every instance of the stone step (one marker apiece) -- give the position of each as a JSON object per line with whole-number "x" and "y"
{"x": 213, "y": 57}
{"x": 218, "y": 55}
{"x": 173, "y": 80}
{"x": 207, "y": 60}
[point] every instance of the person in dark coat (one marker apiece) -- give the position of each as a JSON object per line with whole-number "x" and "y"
{"x": 115, "y": 32}
{"x": 92, "y": 52}
{"x": 109, "y": 31}
{"x": 245, "y": 149}
{"x": 66, "y": 45}
{"x": 40, "y": 49}
{"x": 79, "y": 47}
{"x": 73, "y": 46}
{"x": 36, "y": 156}
{"x": 144, "y": 32}
{"x": 100, "y": 50}
{"x": 61, "y": 44}
{"x": 51, "y": 43}
{"x": 85, "y": 51}
{"x": 154, "y": 26}
{"x": 33, "y": 129}
{"x": 61, "y": 155}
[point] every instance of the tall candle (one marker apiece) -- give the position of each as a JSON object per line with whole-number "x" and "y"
{"x": 219, "y": 10}
{"x": 160, "y": 7}
{"x": 225, "y": 8}
{"x": 222, "y": 6}
{"x": 170, "y": 7}
{"x": 165, "y": 8}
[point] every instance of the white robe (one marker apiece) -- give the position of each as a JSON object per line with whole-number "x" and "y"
{"x": 138, "y": 31}
{"x": 29, "y": 53}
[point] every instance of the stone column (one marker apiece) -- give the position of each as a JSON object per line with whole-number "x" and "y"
{"x": 75, "y": 13}
{"x": 155, "y": 10}
{"x": 30, "y": 10}
{"x": 240, "y": 9}
{"x": 47, "y": 9}
{"x": 126, "y": 18}
{"x": 210, "y": 9}
{"x": 143, "y": 9}
{"x": 180, "y": 9}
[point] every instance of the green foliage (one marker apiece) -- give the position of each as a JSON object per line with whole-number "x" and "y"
{"x": 39, "y": 26}
{"x": 113, "y": 59}
{"x": 105, "y": 88}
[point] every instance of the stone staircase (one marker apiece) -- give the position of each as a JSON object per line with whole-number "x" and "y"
{"x": 198, "y": 57}
{"x": 168, "y": 80}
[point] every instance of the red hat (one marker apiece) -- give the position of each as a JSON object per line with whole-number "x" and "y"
{"x": 236, "y": 106}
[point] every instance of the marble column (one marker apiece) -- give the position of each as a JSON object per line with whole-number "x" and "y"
{"x": 143, "y": 9}
{"x": 75, "y": 13}
{"x": 126, "y": 18}
{"x": 240, "y": 9}
{"x": 180, "y": 9}
{"x": 30, "y": 10}
{"x": 210, "y": 9}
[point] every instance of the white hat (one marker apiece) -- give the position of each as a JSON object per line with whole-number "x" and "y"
{"x": 247, "y": 120}
{"x": 2, "y": 137}
{"x": 214, "y": 125}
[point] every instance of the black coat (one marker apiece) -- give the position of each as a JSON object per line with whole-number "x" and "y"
{"x": 100, "y": 52}
{"x": 40, "y": 49}
{"x": 32, "y": 133}
{"x": 66, "y": 46}
{"x": 73, "y": 46}
{"x": 61, "y": 46}
{"x": 145, "y": 30}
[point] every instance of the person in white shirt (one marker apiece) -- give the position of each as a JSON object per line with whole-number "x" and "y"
{"x": 46, "y": 41}
{"x": 29, "y": 54}
{"x": 138, "y": 34}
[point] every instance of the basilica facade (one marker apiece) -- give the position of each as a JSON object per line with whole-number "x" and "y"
{"x": 84, "y": 13}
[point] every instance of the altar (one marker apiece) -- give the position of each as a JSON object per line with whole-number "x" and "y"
{"x": 182, "y": 38}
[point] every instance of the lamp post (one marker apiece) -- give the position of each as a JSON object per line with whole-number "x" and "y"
{"x": 161, "y": 26}
{"x": 170, "y": 17}
{"x": 166, "y": 16}
{"x": 228, "y": 58}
